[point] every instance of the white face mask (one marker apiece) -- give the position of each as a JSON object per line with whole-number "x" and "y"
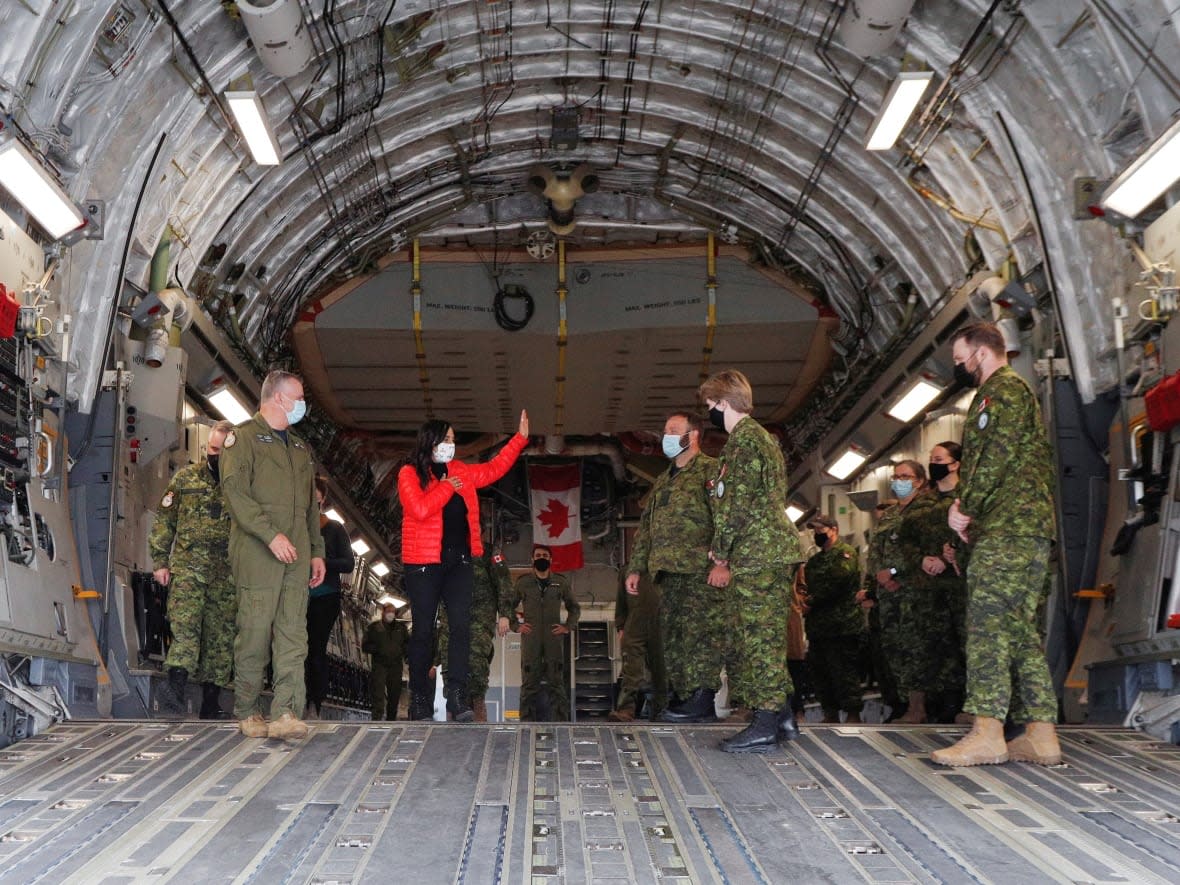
{"x": 443, "y": 452}
{"x": 389, "y": 617}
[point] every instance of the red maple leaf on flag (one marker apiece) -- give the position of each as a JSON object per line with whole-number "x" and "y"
{"x": 556, "y": 516}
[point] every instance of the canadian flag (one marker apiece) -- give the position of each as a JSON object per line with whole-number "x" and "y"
{"x": 555, "y": 492}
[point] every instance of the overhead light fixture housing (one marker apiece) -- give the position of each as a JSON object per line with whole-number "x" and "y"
{"x": 919, "y": 395}
{"x": 390, "y": 600}
{"x": 255, "y": 126}
{"x": 23, "y": 176}
{"x": 897, "y": 108}
{"x": 794, "y": 512}
{"x": 227, "y": 404}
{"x": 848, "y": 463}
{"x": 380, "y": 569}
{"x": 1141, "y": 184}
{"x": 333, "y": 514}
{"x": 359, "y": 547}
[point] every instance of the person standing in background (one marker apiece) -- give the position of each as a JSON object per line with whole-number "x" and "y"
{"x": 323, "y": 603}
{"x": 385, "y": 641}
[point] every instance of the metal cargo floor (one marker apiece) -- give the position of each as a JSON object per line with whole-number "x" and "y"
{"x": 125, "y": 801}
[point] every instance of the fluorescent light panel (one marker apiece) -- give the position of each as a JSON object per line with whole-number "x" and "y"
{"x": 390, "y": 600}
{"x": 794, "y": 514}
{"x": 897, "y": 108}
{"x": 921, "y": 394}
{"x": 255, "y": 127}
{"x": 1156, "y": 170}
{"x": 229, "y": 406}
{"x": 846, "y": 464}
{"x": 380, "y": 569}
{"x": 23, "y": 176}
{"x": 333, "y": 514}
{"x": 359, "y": 547}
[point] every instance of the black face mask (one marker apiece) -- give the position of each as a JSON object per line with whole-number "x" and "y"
{"x": 964, "y": 377}
{"x": 541, "y": 565}
{"x": 821, "y": 540}
{"x": 212, "y": 461}
{"x": 939, "y": 472}
{"x": 717, "y": 418}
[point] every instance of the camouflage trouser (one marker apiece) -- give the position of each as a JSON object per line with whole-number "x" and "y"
{"x": 931, "y": 656}
{"x": 834, "y": 662}
{"x": 895, "y": 645}
{"x": 643, "y": 654}
{"x": 695, "y": 630}
{"x": 543, "y": 657}
{"x": 1006, "y": 668}
{"x": 756, "y": 653}
{"x": 881, "y": 671}
{"x": 201, "y": 612}
{"x": 483, "y": 647}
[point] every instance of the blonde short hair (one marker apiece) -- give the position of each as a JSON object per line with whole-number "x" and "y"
{"x": 733, "y": 387}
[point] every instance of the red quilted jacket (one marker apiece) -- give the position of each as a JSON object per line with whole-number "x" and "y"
{"x": 422, "y": 524}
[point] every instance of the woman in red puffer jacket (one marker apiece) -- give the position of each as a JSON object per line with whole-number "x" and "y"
{"x": 440, "y": 534}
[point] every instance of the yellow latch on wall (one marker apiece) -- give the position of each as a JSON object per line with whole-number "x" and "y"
{"x": 83, "y": 593}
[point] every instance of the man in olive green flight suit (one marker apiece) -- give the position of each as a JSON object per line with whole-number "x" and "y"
{"x": 1005, "y": 512}
{"x": 276, "y": 551}
{"x": 672, "y": 547}
{"x": 385, "y": 641}
{"x": 189, "y": 546}
{"x": 641, "y": 641}
{"x": 539, "y": 597}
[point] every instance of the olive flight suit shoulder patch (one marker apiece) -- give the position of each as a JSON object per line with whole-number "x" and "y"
{"x": 230, "y": 439}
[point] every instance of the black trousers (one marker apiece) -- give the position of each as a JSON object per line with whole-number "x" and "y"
{"x": 451, "y": 582}
{"x": 322, "y": 612}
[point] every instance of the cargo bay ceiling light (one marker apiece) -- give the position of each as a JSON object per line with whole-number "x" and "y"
{"x": 227, "y": 404}
{"x": 333, "y": 514}
{"x": 849, "y": 461}
{"x": 23, "y": 176}
{"x": 1141, "y": 184}
{"x": 359, "y": 547}
{"x": 380, "y": 569}
{"x": 920, "y": 394}
{"x": 897, "y": 108}
{"x": 255, "y": 127}
{"x": 794, "y": 512}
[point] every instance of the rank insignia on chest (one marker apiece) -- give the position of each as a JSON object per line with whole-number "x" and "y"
{"x": 266, "y": 438}
{"x": 230, "y": 439}
{"x": 167, "y": 500}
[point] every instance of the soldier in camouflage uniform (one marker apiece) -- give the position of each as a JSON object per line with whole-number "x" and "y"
{"x": 276, "y": 551}
{"x": 637, "y": 618}
{"x": 490, "y": 595}
{"x": 1005, "y": 512}
{"x": 672, "y": 547}
{"x": 539, "y": 597}
{"x": 755, "y": 552}
{"x": 835, "y": 625}
{"x": 189, "y": 546}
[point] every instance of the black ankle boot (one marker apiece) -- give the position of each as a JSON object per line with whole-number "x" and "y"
{"x": 211, "y": 701}
{"x": 760, "y": 736}
{"x": 171, "y": 695}
{"x": 458, "y": 705}
{"x": 787, "y": 729}
{"x": 421, "y": 707}
{"x": 699, "y": 707}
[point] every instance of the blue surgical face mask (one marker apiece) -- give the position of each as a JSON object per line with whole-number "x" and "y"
{"x": 902, "y": 488}
{"x": 298, "y": 410}
{"x": 672, "y": 445}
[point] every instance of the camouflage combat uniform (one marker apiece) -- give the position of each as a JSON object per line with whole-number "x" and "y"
{"x": 491, "y": 592}
{"x": 190, "y": 537}
{"x": 752, "y": 532}
{"x": 386, "y": 643}
{"x": 672, "y": 548}
{"x": 543, "y": 655}
{"x": 835, "y": 628}
{"x": 267, "y": 483}
{"x": 1005, "y": 487}
{"x": 887, "y": 551}
{"x": 638, "y": 616}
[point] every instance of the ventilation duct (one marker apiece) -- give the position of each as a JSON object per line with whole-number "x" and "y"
{"x": 561, "y": 191}
{"x": 279, "y": 34}
{"x": 869, "y": 27}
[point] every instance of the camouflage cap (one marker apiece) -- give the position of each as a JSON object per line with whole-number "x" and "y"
{"x": 819, "y": 521}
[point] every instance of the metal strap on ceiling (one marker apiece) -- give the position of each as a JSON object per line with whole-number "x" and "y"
{"x": 562, "y": 338}
{"x": 711, "y": 313}
{"x": 419, "y": 344}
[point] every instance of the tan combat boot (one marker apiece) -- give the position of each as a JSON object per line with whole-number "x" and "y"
{"x": 254, "y": 727}
{"x": 962, "y": 718}
{"x": 480, "y": 707}
{"x": 1038, "y": 744}
{"x": 287, "y": 727}
{"x": 852, "y": 719}
{"x": 623, "y": 714}
{"x": 915, "y": 713}
{"x": 982, "y": 745}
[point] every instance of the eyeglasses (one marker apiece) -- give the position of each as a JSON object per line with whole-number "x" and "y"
{"x": 900, "y": 477}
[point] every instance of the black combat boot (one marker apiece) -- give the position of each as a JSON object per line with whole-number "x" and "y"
{"x": 211, "y": 701}
{"x": 699, "y": 707}
{"x": 760, "y": 736}
{"x": 421, "y": 707}
{"x": 171, "y": 695}
{"x": 458, "y": 705}
{"x": 787, "y": 729}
